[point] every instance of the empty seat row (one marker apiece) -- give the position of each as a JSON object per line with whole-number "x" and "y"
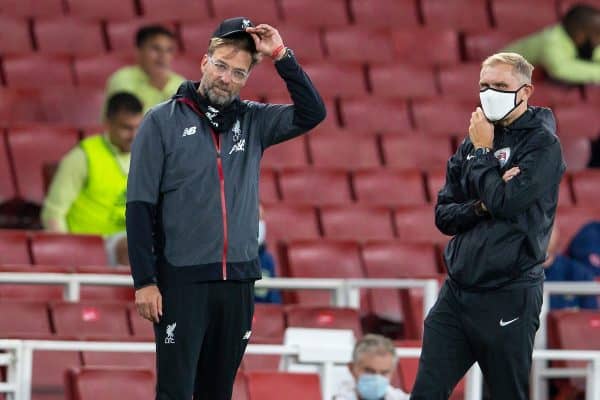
{"x": 398, "y": 185}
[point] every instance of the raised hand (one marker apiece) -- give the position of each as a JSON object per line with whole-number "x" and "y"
{"x": 267, "y": 40}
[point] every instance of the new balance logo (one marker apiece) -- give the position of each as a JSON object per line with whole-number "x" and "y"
{"x": 189, "y": 131}
{"x": 170, "y": 339}
{"x": 470, "y": 157}
{"x": 247, "y": 335}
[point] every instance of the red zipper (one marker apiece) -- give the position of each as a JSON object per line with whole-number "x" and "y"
{"x": 217, "y": 144}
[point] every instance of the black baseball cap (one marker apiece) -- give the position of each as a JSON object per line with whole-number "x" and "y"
{"x": 232, "y": 26}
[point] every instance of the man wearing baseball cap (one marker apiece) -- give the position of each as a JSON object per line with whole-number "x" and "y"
{"x": 192, "y": 208}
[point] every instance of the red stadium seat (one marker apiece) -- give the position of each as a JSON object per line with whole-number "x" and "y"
{"x": 417, "y": 225}
{"x": 408, "y": 367}
{"x": 270, "y": 386}
{"x": 32, "y": 292}
{"x": 90, "y": 320}
{"x": 416, "y": 151}
{"x": 27, "y": 320}
{"x": 322, "y": 259}
{"x": 292, "y": 153}
{"x": 586, "y": 185}
{"x": 340, "y": 151}
{"x": 118, "y": 359}
{"x": 385, "y": 13}
{"x": 31, "y": 8}
{"x": 65, "y": 106}
{"x": 549, "y": 94}
{"x": 461, "y": 82}
{"x": 306, "y": 42}
{"x": 180, "y": 10}
{"x": 387, "y": 187}
{"x": 359, "y": 45}
{"x": 268, "y": 323}
{"x": 564, "y": 5}
{"x": 397, "y": 260}
{"x": 107, "y": 9}
{"x": 509, "y": 17}
{"x": 592, "y": 93}
{"x": 453, "y": 120}
{"x": 18, "y": 31}
{"x": 188, "y": 67}
{"x": 265, "y": 81}
{"x": 268, "y": 187}
{"x": 578, "y": 120}
{"x": 49, "y": 71}
{"x": 95, "y": 70}
{"x": 315, "y": 186}
{"x": 571, "y": 219}
{"x": 374, "y": 114}
{"x": 68, "y": 36}
{"x": 7, "y": 186}
{"x": 142, "y": 328}
{"x": 564, "y": 192}
{"x": 480, "y": 45}
{"x": 109, "y": 383}
{"x": 315, "y": 13}
{"x": 330, "y": 124}
{"x": 574, "y": 151}
{"x": 409, "y": 46}
{"x": 240, "y": 387}
{"x": 279, "y": 218}
{"x": 17, "y": 108}
{"x": 402, "y": 81}
{"x": 264, "y": 11}
{"x": 121, "y": 35}
{"x": 435, "y": 182}
{"x": 13, "y": 247}
{"x": 324, "y": 318}
{"x": 357, "y": 223}
{"x": 31, "y": 148}
{"x": 337, "y": 80}
{"x": 195, "y": 37}
{"x": 49, "y": 369}
{"x": 456, "y": 14}
{"x": 64, "y": 249}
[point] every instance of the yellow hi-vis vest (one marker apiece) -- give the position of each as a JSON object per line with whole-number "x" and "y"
{"x": 100, "y": 207}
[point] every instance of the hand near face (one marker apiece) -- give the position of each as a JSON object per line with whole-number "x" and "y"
{"x": 266, "y": 38}
{"x": 481, "y": 131}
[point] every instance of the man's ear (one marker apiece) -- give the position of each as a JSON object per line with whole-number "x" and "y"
{"x": 528, "y": 92}
{"x": 203, "y": 63}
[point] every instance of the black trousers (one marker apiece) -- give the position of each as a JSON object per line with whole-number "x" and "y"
{"x": 495, "y": 328}
{"x": 201, "y": 339}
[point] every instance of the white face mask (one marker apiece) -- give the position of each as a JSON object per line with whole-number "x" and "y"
{"x": 497, "y": 104}
{"x": 262, "y": 232}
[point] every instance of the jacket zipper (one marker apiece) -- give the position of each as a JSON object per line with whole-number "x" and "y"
{"x": 217, "y": 144}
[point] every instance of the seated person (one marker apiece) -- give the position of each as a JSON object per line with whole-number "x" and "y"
{"x": 373, "y": 362}
{"x": 569, "y": 51}
{"x": 87, "y": 194}
{"x": 562, "y": 268}
{"x": 585, "y": 247}
{"x": 152, "y": 79}
{"x": 267, "y": 265}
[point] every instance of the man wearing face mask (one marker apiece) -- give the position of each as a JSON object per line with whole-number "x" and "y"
{"x": 569, "y": 51}
{"x": 373, "y": 362}
{"x": 499, "y": 203}
{"x": 192, "y": 208}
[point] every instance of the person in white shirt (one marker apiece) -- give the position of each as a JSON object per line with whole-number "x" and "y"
{"x": 373, "y": 361}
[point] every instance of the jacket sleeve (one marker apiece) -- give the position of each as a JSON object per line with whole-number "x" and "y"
{"x": 454, "y": 212}
{"x": 541, "y": 168}
{"x": 282, "y": 122}
{"x": 143, "y": 188}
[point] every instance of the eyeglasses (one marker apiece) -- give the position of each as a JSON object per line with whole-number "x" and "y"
{"x": 237, "y": 75}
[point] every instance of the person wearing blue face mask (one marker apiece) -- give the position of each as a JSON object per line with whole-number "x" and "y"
{"x": 373, "y": 361}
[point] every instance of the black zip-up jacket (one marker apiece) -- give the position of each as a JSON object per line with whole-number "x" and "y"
{"x": 505, "y": 246}
{"x": 192, "y": 194}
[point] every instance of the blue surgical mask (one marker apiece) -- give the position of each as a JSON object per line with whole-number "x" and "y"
{"x": 372, "y": 386}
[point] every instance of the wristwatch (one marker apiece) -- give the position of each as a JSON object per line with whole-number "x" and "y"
{"x": 482, "y": 151}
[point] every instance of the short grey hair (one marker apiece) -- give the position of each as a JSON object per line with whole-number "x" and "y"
{"x": 373, "y": 344}
{"x": 521, "y": 67}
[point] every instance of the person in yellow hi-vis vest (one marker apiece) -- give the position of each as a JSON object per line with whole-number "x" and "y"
{"x": 88, "y": 192}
